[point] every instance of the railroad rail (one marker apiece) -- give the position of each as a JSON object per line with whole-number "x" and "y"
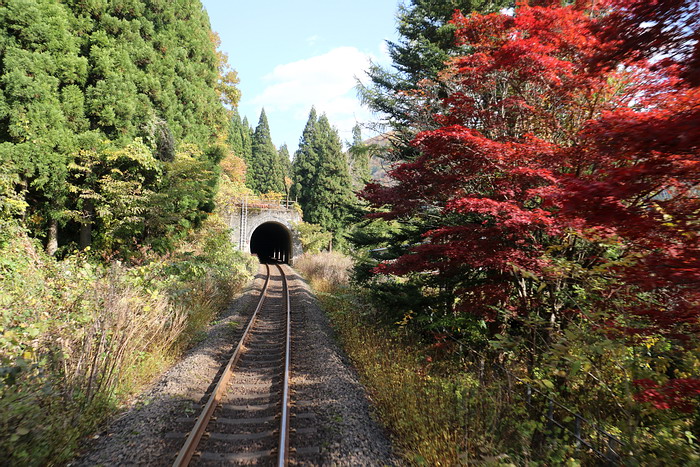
{"x": 246, "y": 417}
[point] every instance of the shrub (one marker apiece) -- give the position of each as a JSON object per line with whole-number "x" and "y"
{"x": 313, "y": 237}
{"x": 77, "y": 336}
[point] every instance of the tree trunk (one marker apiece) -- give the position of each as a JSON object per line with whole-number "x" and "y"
{"x": 86, "y": 225}
{"x": 52, "y": 240}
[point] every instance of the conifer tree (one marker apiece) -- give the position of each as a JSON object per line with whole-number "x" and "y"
{"x": 235, "y": 140}
{"x": 426, "y": 43}
{"x": 321, "y": 178}
{"x": 286, "y": 164}
{"x": 265, "y": 169}
{"x": 41, "y": 105}
{"x": 358, "y": 159}
{"x": 239, "y": 137}
{"x": 247, "y": 140}
{"x": 82, "y": 82}
{"x": 305, "y": 161}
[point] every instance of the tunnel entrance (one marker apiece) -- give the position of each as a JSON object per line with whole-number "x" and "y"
{"x": 271, "y": 241}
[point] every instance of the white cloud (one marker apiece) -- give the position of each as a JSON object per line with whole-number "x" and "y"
{"x": 325, "y": 81}
{"x": 312, "y": 40}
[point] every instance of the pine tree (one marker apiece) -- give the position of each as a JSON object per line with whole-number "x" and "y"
{"x": 358, "y": 159}
{"x": 305, "y": 161}
{"x": 286, "y": 164}
{"x": 426, "y": 43}
{"x": 322, "y": 176}
{"x": 265, "y": 173}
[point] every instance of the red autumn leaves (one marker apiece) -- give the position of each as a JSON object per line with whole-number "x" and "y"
{"x": 562, "y": 123}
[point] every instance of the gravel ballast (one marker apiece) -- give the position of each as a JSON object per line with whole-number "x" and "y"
{"x": 330, "y": 408}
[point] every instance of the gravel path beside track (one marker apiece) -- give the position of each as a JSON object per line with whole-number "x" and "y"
{"x": 324, "y": 388}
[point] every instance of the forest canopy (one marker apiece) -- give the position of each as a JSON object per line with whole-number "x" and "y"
{"x": 107, "y": 109}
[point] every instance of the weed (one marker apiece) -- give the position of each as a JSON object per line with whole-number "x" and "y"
{"x": 77, "y": 338}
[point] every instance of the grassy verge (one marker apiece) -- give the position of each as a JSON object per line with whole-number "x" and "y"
{"x": 78, "y": 337}
{"x": 415, "y": 405}
{"x": 446, "y": 403}
{"x": 441, "y": 408}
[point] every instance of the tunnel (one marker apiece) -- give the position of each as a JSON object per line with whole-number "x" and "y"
{"x": 271, "y": 241}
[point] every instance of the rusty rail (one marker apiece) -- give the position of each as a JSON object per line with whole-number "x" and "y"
{"x": 189, "y": 448}
{"x": 284, "y": 422}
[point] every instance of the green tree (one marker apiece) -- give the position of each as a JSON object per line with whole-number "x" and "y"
{"x": 239, "y": 136}
{"x": 247, "y": 140}
{"x": 95, "y": 78}
{"x": 286, "y": 163}
{"x": 426, "y": 43}
{"x": 305, "y": 161}
{"x": 41, "y": 72}
{"x": 358, "y": 158}
{"x": 265, "y": 172}
{"x": 322, "y": 180}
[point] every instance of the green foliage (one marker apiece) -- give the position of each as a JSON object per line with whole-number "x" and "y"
{"x": 240, "y": 137}
{"x": 306, "y": 161}
{"x": 321, "y": 178}
{"x": 265, "y": 170}
{"x": 184, "y": 198}
{"x": 11, "y": 203}
{"x": 286, "y": 164}
{"x": 417, "y": 299}
{"x": 426, "y": 42}
{"x": 40, "y": 70}
{"x": 81, "y": 81}
{"x": 359, "y": 154}
{"x": 77, "y": 338}
{"x": 313, "y": 237}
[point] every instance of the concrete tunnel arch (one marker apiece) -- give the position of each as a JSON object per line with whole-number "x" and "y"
{"x": 271, "y": 241}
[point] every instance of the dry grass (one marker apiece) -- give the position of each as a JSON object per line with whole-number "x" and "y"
{"x": 125, "y": 329}
{"x": 325, "y": 270}
{"x": 423, "y": 412}
{"x": 79, "y": 339}
{"x": 438, "y": 413}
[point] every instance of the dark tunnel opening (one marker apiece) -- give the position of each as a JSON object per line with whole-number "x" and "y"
{"x": 271, "y": 242}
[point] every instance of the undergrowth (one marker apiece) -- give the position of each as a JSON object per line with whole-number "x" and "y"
{"x": 444, "y": 408}
{"x": 79, "y": 336}
{"x": 418, "y": 408}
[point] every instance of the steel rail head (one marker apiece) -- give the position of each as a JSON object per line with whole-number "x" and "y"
{"x": 188, "y": 449}
{"x": 283, "y": 453}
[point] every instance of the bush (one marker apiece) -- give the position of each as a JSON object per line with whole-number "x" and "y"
{"x": 313, "y": 237}
{"x": 78, "y": 336}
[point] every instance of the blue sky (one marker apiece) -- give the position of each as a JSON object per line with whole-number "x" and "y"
{"x": 291, "y": 55}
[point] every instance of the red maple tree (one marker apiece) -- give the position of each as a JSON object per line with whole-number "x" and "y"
{"x": 563, "y": 126}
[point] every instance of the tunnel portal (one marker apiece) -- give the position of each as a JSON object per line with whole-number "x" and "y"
{"x": 271, "y": 241}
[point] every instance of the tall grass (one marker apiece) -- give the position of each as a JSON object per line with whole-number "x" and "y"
{"x": 437, "y": 410}
{"x": 326, "y": 270}
{"x": 419, "y": 409}
{"x": 77, "y": 337}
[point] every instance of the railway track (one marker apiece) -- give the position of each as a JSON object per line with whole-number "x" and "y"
{"x": 246, "y": 417}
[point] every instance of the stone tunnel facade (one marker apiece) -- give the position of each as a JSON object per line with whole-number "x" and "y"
{"x": 258, "y": 226}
